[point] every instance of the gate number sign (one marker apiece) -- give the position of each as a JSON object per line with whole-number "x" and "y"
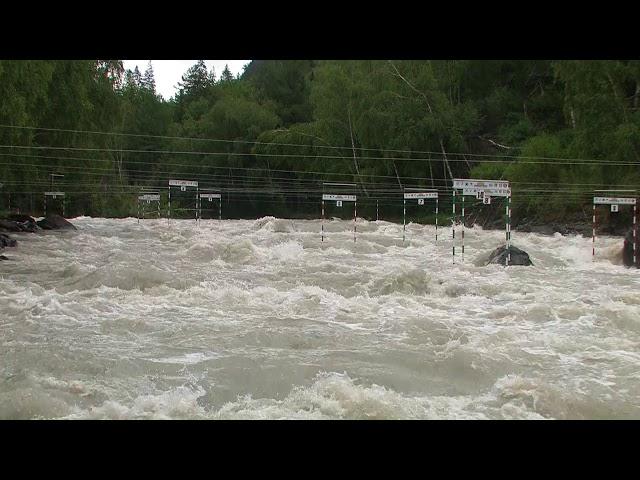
{"x": 338, "y": 203}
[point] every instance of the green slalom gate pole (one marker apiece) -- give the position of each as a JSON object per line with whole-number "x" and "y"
{"x": 508, "y": 231}
{"x": 453, "y": 226}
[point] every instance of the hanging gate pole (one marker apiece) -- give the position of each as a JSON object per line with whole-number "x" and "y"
{"x": 508, "y": 231}
{"x": 436, "y": 220}
{"x": 169, "y": 208}
{"x": 462, "y": 228}
{"x": 377, "y": 217}
{"x": 322, "y": 224}
{"x": 355, "y": 215}
{"x": 634, "y": 234}
{"x": 593, "y": 234}
{"x": 453, "y": 226}
{"x": 404, "y": 215}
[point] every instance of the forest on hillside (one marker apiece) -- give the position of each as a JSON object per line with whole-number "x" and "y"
{"x": 268, "y": 139}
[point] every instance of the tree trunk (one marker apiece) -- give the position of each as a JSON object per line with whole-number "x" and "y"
{"x": 446, "y": 161}
{"x": 353, "y": 149}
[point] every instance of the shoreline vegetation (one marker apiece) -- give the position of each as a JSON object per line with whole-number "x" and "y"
{"x": 270, "y": 137}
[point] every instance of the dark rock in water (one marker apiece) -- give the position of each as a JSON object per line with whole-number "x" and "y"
{"x": 2, "y": 257}
{"x": 7, "y": 241}
{"x": 627, "y": 250}
{"x": 518, "y": 257}
{"x": 29, "y": 225}
{"x": 55, "y": 222}
{"x": 21, "y": 218}
{"x": 9, "y": 226}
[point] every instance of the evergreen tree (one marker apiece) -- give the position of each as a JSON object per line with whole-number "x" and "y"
{"x": 148, "y": 80}
{"x": 195, "y": 81}
{"x": 137, "y": 77}
{"x": 226, "y": 75}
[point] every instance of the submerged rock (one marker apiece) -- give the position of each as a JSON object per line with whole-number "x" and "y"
{"x": 518, "y": 257}
{"x": 55, "y": 222}
{"x": 627, "y": 250}
{"x": 7, "y": 241}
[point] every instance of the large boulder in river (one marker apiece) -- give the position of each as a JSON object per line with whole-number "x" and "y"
{"x": 627, "y": 250}
{"x": 518, "y": 257}
{"x": 55, "y": 222}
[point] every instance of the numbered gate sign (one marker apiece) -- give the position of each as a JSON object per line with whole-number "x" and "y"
{"x": 421, "y": 201}
{"x": 210, "y": 196}
{"x": 614, "y": 208}
{"x": 486, "y": 200}
{"x": 338, "y": 203}
{"x": 183, "y": 184}
{"x": 345, "y": 198}
{"x": 54, "y": 194}
{"x": 150, "y": 198}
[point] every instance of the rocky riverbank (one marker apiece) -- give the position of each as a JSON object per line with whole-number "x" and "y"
{"x": 25, "y": 224}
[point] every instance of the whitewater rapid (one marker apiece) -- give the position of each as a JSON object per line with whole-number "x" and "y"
{"x": 258, "y": 319}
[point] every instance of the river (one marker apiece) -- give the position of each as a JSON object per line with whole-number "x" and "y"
{"x": 259, "y": 319}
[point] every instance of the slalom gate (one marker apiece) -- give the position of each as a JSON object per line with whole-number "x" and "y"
{"x": 421, "y": 195}
{"x": 338, "y": 198}
{"x": 615, "y": 203}
{"x": 482, "y": 190}
{"x": 208, "y": 196}
{"x": 185, "y": 199}
{"x": 145, "y": 202}
{"x": 53, "y": 200}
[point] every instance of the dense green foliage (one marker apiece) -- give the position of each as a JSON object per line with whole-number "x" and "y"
{"x": 557, "y": 129}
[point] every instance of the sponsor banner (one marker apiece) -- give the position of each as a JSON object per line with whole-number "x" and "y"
{"x": 490, "y": 192}
{"x": 344, "y": 198}
{"x": 54, "y": 194}
{"x": 466, "y": 183}
{"x": 413, "y": 195}
{"x": 614, "y": 201}
{"x": 150, "y": 197}
{"x": 183, "y": 183}
{"x": 210, "y": 195}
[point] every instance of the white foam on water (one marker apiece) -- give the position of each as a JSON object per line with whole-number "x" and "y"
{"x": 260, "y": 319}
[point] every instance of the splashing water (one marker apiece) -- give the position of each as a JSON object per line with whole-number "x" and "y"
{"x": 259, "y": 319}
